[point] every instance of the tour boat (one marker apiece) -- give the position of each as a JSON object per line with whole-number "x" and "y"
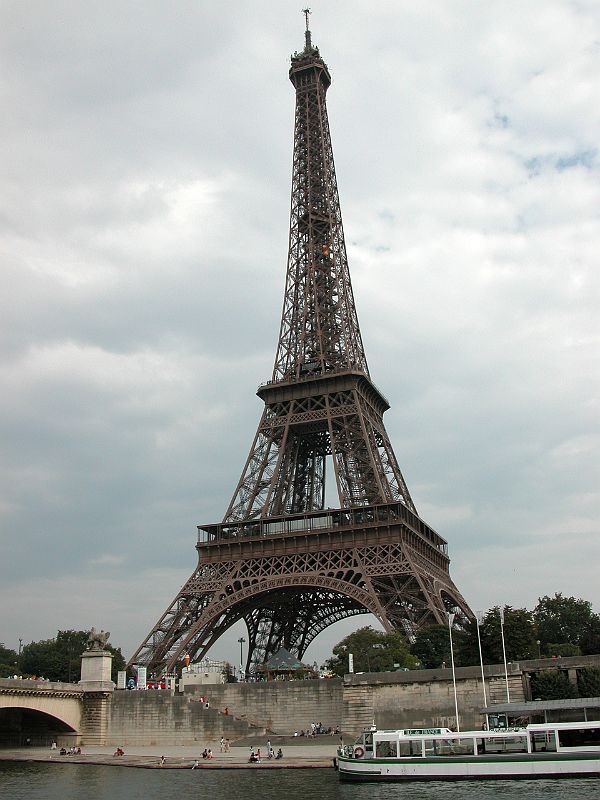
{"x": 551, "y": 750}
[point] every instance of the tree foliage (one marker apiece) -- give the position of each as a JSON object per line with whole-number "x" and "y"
{"x": 558, "y": 626}
{"x": 588, "y": 682}
{"x": 8, "y": 661}
{"x": 565, "y": 649}
{"x": 432, "y": 646}
{"x": 229, "y": 674}
{"x": 466, "y": 645}
{"x": 589, "y": 643}
{"x": 372, "y": 651}
{"x": 519, "y": 635}
{"x": 552, "y": 684}
{"x": 562, "y": 620}
{"x": 59, "y": 659}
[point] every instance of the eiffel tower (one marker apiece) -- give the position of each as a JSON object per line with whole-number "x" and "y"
{"x": 281, "y": 560}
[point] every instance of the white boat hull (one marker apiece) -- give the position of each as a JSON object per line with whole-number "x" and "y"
{"x": 476, "y": 768}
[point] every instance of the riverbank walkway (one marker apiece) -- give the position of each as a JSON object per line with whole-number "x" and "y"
{"x": 296, "y": 756}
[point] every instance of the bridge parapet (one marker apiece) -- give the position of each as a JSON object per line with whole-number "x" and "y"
{"x": 39, "y": 687}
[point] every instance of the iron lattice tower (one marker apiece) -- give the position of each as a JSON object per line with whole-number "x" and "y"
{"x": 280, "y": 560}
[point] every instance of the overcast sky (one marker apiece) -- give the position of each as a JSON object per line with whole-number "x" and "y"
{"x": 145, "y": 164}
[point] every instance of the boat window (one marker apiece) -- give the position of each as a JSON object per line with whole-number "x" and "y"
{"x": 506, "y": 744}
{"x": 410, "y": 747}
{"x": 449, "y": 747}
{"x": 386, "y": 749}
{"x": 580, "y": 737}
{"x": 543, "y": 742}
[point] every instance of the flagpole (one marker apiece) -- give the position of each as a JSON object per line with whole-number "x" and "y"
{"x": 450, "y": 621}
{"x": 504, "y": 654}
{"x": 478, "y": 619}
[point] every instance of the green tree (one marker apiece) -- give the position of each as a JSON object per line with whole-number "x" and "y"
{"x": 552, "y": 684}
{"x": 466, "y": 645}
{"x": 562, "y": 620}
{"x": 519, "y": 635}
{"x": 565, "y": 649}
{"x": 8, "y": 661}
{"x": 373, "y": 651}
{"x": 590, "y": 640}
{"x": 228, "y": 673}
{"x": 588, "y": 682}
{"x": 432, "y": 646}
{"x": 59, "y": 659}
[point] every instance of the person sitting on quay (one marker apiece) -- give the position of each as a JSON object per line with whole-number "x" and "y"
{"x": 279, "y": 754}
{"x": 254, "y": 759}
{"x": 119, "y": 752}
{"x": 205, "y": 753}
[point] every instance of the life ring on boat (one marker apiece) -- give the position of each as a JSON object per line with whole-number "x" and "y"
{"x": 358, "y": 752}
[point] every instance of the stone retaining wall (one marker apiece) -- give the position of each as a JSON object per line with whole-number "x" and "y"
{"x": 425, "y": 698}
{"x": 280, "y": 706}
{"x": 158, "y": 717}
{"x": 390, "y": 700}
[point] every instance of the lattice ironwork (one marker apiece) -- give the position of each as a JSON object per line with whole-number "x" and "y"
{"x": 280, "y": 560}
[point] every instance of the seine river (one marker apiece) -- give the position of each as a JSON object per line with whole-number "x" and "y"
{"x": 35, "y": 781}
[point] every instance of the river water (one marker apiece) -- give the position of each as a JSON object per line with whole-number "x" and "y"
{"x": 40, "y": 781}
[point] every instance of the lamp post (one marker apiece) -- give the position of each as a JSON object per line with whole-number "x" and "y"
{"x": 504, "y": 654}
{"x": 241, "y": 642}
{"x": 451, "y": 616}
{"x": 537, "y": 641}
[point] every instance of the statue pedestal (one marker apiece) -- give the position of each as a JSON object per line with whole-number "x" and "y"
{"x": 95, "y": 671}
{"x": 98, "y": 689}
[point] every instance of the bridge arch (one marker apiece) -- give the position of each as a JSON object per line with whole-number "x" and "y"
{"x": 39, "y": 717}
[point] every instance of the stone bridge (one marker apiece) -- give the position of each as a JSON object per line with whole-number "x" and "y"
{"x": 39, "y": 712}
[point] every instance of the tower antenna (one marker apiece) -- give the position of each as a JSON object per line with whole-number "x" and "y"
{"x": 308, "y": 45}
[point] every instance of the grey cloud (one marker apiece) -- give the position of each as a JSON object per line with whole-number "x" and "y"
{"x": 143, "y": 232}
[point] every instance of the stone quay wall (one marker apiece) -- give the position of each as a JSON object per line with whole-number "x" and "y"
{"x": 425, "y": 698}
{"x": 390, "y": 700}
{"x": 160, "y": 718}
{"x": 280, "y": 706}
{"x": 418, "y": 698}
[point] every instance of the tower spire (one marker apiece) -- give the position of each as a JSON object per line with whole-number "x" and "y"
{"x": 308, "y": 43}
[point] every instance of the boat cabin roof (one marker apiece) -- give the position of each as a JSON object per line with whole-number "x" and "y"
{"x": 416, "y": 733}
{"x": 543, "y": 726}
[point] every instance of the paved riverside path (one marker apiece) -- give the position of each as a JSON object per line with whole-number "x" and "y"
{"x": 297, "y": 756}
